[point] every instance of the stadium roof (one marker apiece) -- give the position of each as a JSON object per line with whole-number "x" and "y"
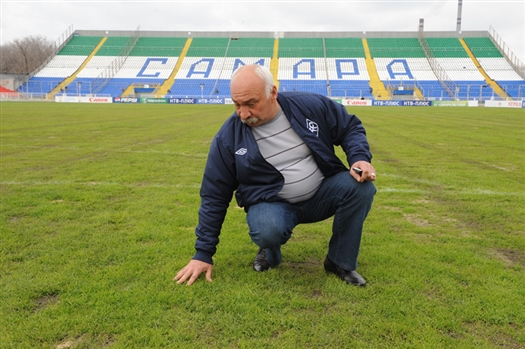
{"x": 295, "y": 34}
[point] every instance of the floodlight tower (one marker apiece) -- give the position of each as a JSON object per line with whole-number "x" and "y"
{"x": 458, "y": 25}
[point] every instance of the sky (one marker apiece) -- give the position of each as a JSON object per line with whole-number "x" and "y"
{"x": 52, "y": 18}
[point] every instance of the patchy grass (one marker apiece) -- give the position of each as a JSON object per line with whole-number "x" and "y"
{"x": 99, "y": 205}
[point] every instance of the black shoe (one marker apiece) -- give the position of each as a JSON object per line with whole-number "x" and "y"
{"x": 261, "y": 263}
{"x": 351, "y": 277}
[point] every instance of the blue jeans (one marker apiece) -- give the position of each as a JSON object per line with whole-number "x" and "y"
{"x": 341, "y": 196}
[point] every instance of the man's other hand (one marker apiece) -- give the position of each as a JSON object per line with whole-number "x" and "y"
{"x": 368, "y": 172}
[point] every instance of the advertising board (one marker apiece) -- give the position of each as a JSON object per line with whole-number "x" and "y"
{"x": 450, "y": 103}
{"x": 504, "y": 104}
{"x": 181, "y": 100}
{"x": 210, "y": 101}
{"x": 126, "y": 100}
{"x": 154, "y": 100}
{"x": 357, "y": 102}
{"x": 78, "y": 99}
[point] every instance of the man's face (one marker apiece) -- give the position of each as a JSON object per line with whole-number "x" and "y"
{"x": 250, "y": 100}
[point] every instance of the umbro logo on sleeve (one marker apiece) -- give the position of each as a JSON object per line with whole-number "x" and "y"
{"x": 241, "y": 151}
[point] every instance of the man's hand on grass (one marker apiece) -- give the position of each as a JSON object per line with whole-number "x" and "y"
{"x": 192, "y": 271}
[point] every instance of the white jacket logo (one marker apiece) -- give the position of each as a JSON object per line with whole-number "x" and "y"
{"x": 312, "y": 127}
{"x": 241, "y": 151}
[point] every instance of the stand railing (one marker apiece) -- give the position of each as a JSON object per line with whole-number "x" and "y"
{"x": 109, "y": 72}
{"x": 449, "y": 85}
{"x": 513, "y": 60}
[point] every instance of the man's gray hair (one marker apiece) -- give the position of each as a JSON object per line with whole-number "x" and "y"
{"x": 265, "y": 75}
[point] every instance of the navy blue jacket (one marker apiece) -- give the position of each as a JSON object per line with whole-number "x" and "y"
{"x": 235, "y": 164}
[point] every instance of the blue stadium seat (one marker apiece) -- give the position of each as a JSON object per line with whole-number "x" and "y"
{"x": 40, "y": 85}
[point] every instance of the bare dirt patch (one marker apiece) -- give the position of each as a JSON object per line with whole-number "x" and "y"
{"x": 16, "y": 219}
{"x": 509, "y": 257}
{"x": 493, "y": 335}
{"x": 310, "y": 266}
{"x": 416, "y": 220}
{"x": 45, "y": 301}
{"x": 66, "y": 344}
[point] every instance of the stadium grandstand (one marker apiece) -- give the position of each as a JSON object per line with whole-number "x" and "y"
{"x": 471, "y": 65}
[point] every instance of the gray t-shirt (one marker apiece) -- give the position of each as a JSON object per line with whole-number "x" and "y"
{"x": 286, "y": 151}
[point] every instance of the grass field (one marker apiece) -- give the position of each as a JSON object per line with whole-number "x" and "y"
{"x": 99, "y": 205}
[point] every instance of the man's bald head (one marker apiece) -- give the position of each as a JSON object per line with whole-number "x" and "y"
{"x": 251, "y": 72}
{"x": 254, "y": 94}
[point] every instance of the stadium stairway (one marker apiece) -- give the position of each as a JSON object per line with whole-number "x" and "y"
{"x": 72, "y": 77}
{"x": 493, "y": 84}
{"x": 274, "y": 63}
{"x": 163, "y": 89}
{"x": 378, "y": 88}
{"x": 128, "y": 91}
{"x": 419, "y": 94}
